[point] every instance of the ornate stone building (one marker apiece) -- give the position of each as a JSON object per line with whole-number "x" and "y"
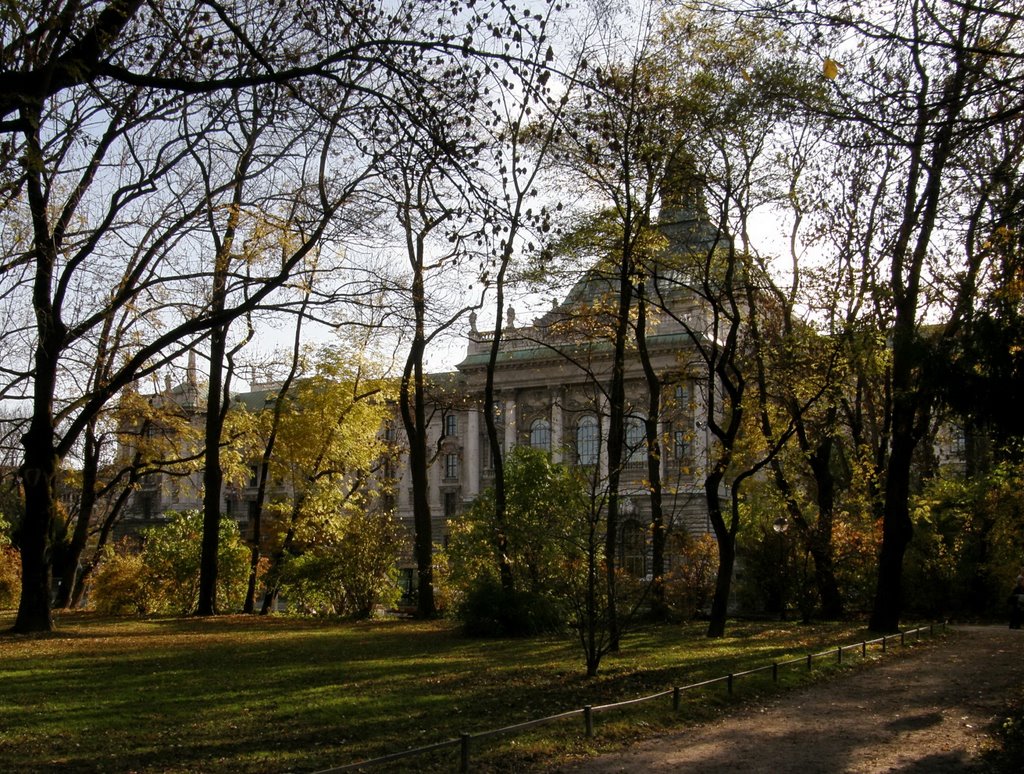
{"x": 551, "y": 380}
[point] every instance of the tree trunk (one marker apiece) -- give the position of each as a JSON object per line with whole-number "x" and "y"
{"x": 821, "y": 548}
{"x": 35, "y": 537}
{"x": 101, "y": 541}
{"x": 423, "y": 547}
{"x": 897, "y": 530}
{"x": 256, "y": 550}
{"x": 909, "y": 405}
{"x": 255, "y": 554}
{"x": 617, "y": 425}
{"x": 277, "y": 559}
{"x": 726, "y": 556}
{"x": 39, "y": 468}
{"x": 213, "y": 477}
{"x": 70, "y": 570}
{"x": 659, "y": 608}
{"x": 413, "y": 410}
{"x": 494, "y": 444}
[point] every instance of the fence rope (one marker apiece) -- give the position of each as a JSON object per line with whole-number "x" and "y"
{"x": 588, "y": 712}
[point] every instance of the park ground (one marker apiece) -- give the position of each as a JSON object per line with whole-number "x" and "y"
{"x": 938, "y": 709}
{"x": 245, "y": 694}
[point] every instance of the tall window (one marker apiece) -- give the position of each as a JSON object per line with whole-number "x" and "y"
{"x": 588, "y": 440}
{"x": 451, "y": 425}
{"x": 636, "y": 439}
{"x": 451, "y": 504}
{"x": 540, "y": 434}
{"x": 451, "y": 466}
{"x": 407, "y": 583}
{"x": 679, "y": 444}
{"x": 632, "y": 552}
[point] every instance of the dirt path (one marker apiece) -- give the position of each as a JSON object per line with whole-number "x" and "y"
{"x": 930, "y": 711}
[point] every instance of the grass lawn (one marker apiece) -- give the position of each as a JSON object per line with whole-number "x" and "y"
{"x": 257, "y": 694}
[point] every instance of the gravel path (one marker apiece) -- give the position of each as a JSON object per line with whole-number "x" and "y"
{"x": 931, "y": 710}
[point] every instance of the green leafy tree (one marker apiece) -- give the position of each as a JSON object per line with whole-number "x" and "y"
{"x": 927, "y": 108}
{"x": 171, "y": 553}
{"x": 122, "y": 585}
{"x": 545, "y": 507}
{"x": 619, "y": 136}
{"x": 968, "y": 546}
{"x": 328, "y": 446}
{"x": 742, "y": 87}
{"x": 346, "y": 565}
{"x": 545, "y": 501}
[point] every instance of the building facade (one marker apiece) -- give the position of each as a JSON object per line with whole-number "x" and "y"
{"x": 551, "y": 380}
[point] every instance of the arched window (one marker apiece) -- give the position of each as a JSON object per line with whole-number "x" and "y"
{"x": 588, "y": 440}
{"x": 636, "y": 439}
{"x": 633, "y": 549}
{"x": 540, "y": 434}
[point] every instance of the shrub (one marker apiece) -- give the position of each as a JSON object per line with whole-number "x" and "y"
{"x": 690, "y": 583}
{"x": 308, "y": 582}
{"x": 10, "y": 577}
{"x": 350, "y": 571}
{"x": 10, "y": 567}
{"x": 544, "y": 528}
{"x": 172, "y": 554}
{"x": 490, "y": 611}
{"x": 122, "y": 584}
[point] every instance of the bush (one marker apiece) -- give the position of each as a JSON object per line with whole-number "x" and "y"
{"x": 350, "y": 571}
{"x": 10, "y": 577}
{"x": 690, "y": 583}
{"x": 308, "y": 582}
{"x": 544, "y": 529}
{"x": 10, "y": 566}
{"x": 163, "y": 577}
{"x": 490, "y": 611}
{"x": 172, "y": 553}
{"x": 122, "y": 585}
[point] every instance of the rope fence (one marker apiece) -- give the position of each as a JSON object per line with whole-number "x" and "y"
{"x": 465, "y": 740}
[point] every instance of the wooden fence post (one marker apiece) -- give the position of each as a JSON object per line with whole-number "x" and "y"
{"x": 464, "y": 753}
{"x": 588, "y": 721}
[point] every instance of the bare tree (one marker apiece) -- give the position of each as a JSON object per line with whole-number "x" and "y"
{"x": 117, "y": 113}
{"x": 919, "y": 90}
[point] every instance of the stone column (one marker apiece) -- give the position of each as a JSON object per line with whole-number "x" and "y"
{"x": 557, "y": 453}
{"x": 471, "y": 455}
{"x": 510, "y": 423}
{"x": 668, "y": 450}
{"x": 435, "y": 471}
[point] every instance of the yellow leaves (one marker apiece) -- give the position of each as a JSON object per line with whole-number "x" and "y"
{"x": 830, "y": 68}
